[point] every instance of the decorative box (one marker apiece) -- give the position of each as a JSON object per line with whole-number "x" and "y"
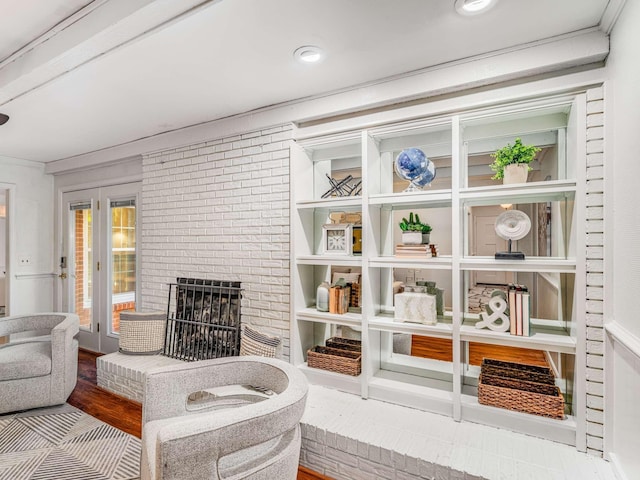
{"x": 415, "y": 307}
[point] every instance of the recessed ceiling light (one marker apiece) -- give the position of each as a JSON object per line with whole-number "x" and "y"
{"x": 473, "y": 7}
{"x": 308, "y": 54}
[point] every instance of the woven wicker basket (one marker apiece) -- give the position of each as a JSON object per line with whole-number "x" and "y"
{"x": 530, "y": 373}
{"x": 350, "y": 344}
{"x": 512, "y": 389}
{"x": 521, "y": 396}
{"x": 335, "y": 360}
{"x": 142, "y": 333}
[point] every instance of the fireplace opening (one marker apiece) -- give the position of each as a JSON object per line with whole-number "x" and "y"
{"x": 203, "y": 319}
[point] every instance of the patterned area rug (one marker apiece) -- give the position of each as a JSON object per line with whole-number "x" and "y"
{"x": 64, "y": 443}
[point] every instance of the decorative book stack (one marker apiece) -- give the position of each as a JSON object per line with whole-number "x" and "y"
{"x": 422, "y": 250}
{"x": 519, "y": 300}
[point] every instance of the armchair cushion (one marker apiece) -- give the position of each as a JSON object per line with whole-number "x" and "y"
{"x": 25, "y": 360}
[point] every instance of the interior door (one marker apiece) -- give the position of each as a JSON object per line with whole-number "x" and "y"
{"x": 99, "y": 261}
{"x": 486, "y": 243}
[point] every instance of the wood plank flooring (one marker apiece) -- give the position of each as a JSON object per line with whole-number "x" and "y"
{"x": 120, "y": 412}
{"x": 441, "y": 349}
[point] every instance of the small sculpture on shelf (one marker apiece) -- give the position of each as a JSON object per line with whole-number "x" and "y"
{"x": 413, "y": 165}
{"x": 342, "y": 188}
{"x": 512, "y": 225}
{"x": 496, "y": 317}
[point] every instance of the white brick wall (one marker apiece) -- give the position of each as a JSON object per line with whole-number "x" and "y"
{"x": 595, "y": 270}
{"x": 220, "y": 210}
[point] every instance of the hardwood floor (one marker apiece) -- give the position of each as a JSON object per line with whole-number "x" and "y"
{"x": 120, "y": 412}
{"x": 441, "y": 349}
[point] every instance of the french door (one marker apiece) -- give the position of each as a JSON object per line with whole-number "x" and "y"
{"x": 99, "y": 261}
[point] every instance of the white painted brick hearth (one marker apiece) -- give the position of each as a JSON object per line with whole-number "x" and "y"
{"x": 220, "y": 210}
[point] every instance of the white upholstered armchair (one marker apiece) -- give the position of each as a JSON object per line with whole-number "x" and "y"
{"x": 227, "y": 418}
{"x": 40, "y": 370}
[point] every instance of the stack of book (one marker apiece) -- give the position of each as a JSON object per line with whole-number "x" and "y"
{"x": 413, "y": 251}
{"x": 519, "y": 310}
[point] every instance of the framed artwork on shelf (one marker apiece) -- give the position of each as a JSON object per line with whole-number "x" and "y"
{"x": 357, "y": 239}
{"x": 337, "y": 239}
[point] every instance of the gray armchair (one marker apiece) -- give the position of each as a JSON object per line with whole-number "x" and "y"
{"x": 40, "y": 370}
{"x": 226, "y": 418}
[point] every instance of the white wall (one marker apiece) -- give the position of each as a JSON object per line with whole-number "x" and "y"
{"x": 622, "y": 236}
{"x": 31, "y": 214}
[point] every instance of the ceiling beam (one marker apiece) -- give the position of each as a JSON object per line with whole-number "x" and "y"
{"x": 98, "y": 29}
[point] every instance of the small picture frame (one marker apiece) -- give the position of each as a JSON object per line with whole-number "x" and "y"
{"x": 337, "y": 239}
{"x": 357, "y": 239}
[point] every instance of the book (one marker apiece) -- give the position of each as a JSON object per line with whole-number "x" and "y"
{"x": 519, "y": 310}
{"x": 526, "y": 305}
{"x": 512, "y": 309}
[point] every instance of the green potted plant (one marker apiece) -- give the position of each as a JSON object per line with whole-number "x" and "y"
{"x": 511, "y": 163}
{"x": 414, "y": 232}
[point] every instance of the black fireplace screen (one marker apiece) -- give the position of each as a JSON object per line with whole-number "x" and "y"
{"x": 203, "y": 319}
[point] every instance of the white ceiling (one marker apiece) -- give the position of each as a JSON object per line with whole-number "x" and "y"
{"x": 120, "y": 70}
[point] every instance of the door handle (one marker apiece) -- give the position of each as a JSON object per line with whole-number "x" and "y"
{"x": 63, "y": 275}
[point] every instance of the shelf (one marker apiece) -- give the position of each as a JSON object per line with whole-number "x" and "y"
{"x": 563, "y": 431}
{"x": 313, "y": 315}
{"x": 333, "y": 203}
{"x": 436, "y": 263}
{"x": 531, "y": 192}
{"x": 343, "y": 260}
{"x": 541, "y": 339}
{"x": 529, "y": 264}
{"x": 437, "y": 198}
{"x": 387, "y": 324}
{"x": 339, "y": 381}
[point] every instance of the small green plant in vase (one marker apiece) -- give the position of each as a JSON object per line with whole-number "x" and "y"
{"x": 511, "y": 163}
{"x": 414, "y": 232}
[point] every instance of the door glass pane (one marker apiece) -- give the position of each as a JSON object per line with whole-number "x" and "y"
{"x": 123, "y": 260}
{"x": 82, "y": 250}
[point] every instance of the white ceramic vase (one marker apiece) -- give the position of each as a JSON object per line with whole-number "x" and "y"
{"x": 411, "y": 238}
{"x": 515, "y": 173}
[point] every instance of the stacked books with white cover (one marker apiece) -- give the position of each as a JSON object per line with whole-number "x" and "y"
{"x": 519, "y": 300}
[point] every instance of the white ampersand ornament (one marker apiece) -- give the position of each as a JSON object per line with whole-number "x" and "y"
{"x": 497, "y": 321}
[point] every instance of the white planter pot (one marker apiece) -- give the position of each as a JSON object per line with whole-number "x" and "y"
{"x": 411, "y": 238}
{"x": 515, "y": 173}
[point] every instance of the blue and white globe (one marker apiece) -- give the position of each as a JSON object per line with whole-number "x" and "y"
{"x": 413, "y": 165}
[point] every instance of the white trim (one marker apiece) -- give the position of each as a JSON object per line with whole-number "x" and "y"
{"x": 611, "y": 14}
{"x": 11, "y": 260}
{"x": 623, "y": 337}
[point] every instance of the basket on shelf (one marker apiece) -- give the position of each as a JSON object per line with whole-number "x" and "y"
{"x": 335, "y": 360}
{"x": 506, "y": 385}
{"x": 350, "y": 344}
{"x": 523, "y": 371}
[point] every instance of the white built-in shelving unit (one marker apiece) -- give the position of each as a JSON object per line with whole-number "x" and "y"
{"x": 460, "y": 203}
